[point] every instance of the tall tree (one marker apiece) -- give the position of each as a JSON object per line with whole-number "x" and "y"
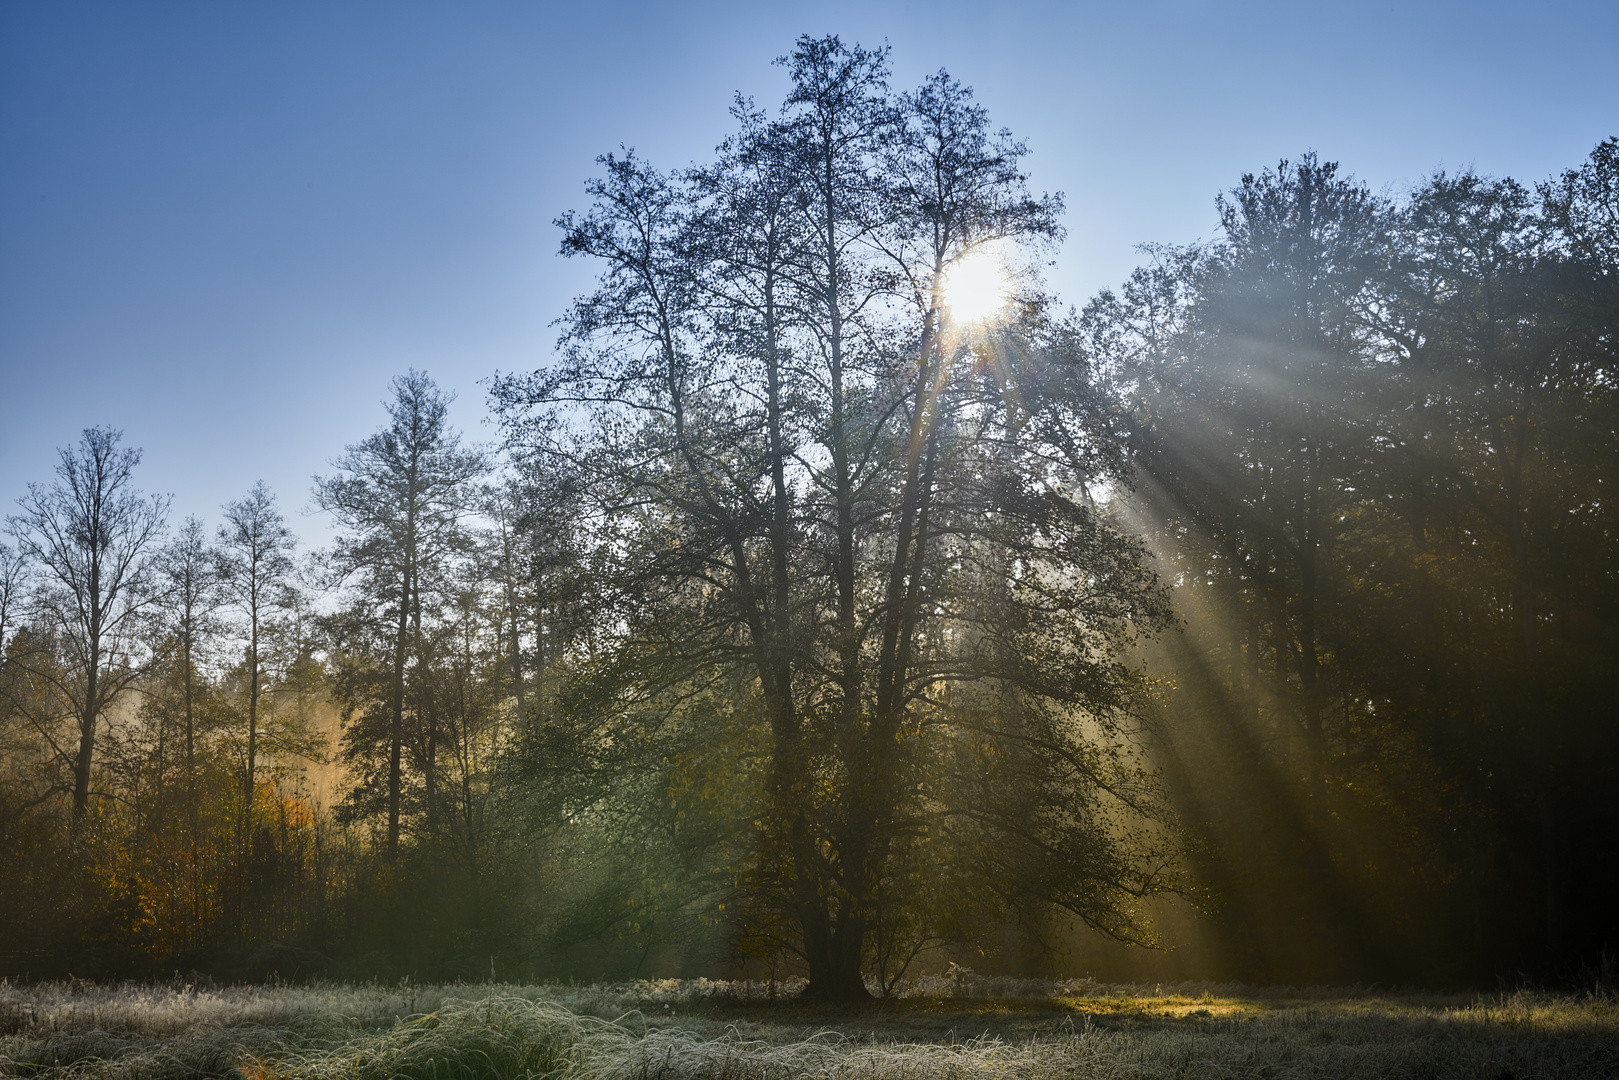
{"x": 400, "y": 496}
{"x": 255, "y": 562}
{"x": 181, "y": 704}
{"x": 91, "y": 536}
{"x": 191, "y": 572}
{"x": 505, "y": 558}
{"x": 1279, "y": 381}
{"x": 807, "y": 480}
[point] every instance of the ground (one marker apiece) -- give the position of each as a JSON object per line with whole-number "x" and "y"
{"x": 937, "y": 1027}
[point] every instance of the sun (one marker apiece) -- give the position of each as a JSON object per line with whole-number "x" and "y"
{"x": 975, "y": 287}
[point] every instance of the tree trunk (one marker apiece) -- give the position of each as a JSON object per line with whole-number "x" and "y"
{"x": 92, "y": 707}
{"x": 834, "y": 960}
{"x": 82, "y": 761}
{"x": 252, "y": 731}
{"x": 517, "y": 652}
{"x": 396, "y": 732}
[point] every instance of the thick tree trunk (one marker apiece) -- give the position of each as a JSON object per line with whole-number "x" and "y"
{"x": 83, "y": 760}
{"x": 834, "y": 960}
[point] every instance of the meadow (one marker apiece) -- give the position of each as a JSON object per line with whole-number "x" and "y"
{"x": 958, "y": 1025}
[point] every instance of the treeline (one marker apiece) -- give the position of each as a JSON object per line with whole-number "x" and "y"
{"x": 177, "y": 712}
{"x": 821, "y": 615}
{"x": 1375, "y": 445}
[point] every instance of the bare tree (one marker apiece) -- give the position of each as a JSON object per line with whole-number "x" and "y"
{"x": 91, "y": 535}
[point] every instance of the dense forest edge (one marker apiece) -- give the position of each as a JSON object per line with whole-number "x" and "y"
{"x": 813, "y": 621}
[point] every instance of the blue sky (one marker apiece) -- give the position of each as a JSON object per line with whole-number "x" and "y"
{"x": 225, "y": 226}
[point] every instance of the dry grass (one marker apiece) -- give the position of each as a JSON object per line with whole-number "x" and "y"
{"x": 945, "y": 1027}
